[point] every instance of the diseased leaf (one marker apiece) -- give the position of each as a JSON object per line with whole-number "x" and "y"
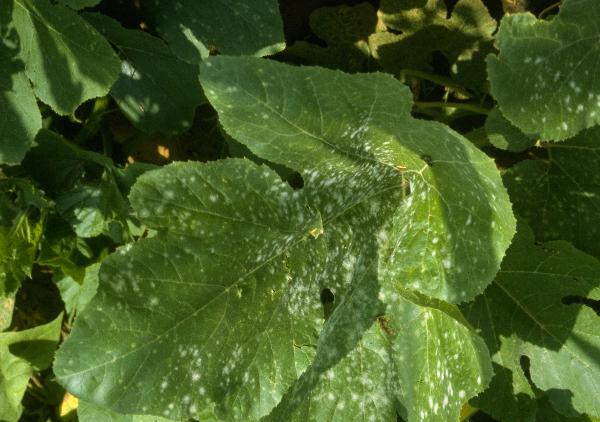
{"x": 66, "y": 59}
{"x": 503, "y": 135}
{"x": 552, "y": 67}
{"x": 22, "y": 353}
{"x": 332, "y": 127}
{"x": 156, "y": 90}
{"x": 234, "y": 27}
{"x": 223, "y": 306}
{"x": 535, "y": 308}
{"x": 422, "y": 27}
{"x": 437, "y": 362}
{"x": 559, "y": 195}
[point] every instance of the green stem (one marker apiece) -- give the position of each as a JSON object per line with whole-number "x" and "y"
{"x": 549, "y": 9}
{"x": 436, "y": 79}
{"x": 460, "y": 106}
{"x": 92, "y": 123}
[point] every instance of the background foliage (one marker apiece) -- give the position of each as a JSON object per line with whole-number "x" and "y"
{"x": 319, "y": 210}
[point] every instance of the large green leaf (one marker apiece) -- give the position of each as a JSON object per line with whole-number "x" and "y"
{"x": 535, "y": 308}
{"x": 22, "y": 353}
{"x": 156, "y": 90}
{"x": 447, "y": 240}
{"x": 19, "y": 114}
{"x": 223, "y": 306}
{"x": 559, "y": 194}
{"x": 66, "y": 59}
{"x": 552, "y": 67}
{"x": 193, "y": 28}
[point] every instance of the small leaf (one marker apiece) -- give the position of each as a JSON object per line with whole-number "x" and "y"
{"x": 232, "y": 27}
{"x": 560, "y": 196}
{"x": 76, "y": 295}
{"x": 156, "y": 90}
{"x": 66, "y": 59}
{"x": 535, "y": 308}
{"x": 22, "y": 353}
{"x": 503, "y": 135}
{"x": 552, "y": 67}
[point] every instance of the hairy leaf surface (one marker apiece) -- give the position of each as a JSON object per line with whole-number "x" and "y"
{"x": 156, "y": 90}
{"x": 194, "y": 28}
{"x": 559, "y": 195}
{"x": 536, "y": 308}
{"x": 66, "y": 59}
{"x": 552, "y": 66}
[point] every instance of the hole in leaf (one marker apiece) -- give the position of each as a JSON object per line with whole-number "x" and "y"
{"x": 327, "y": 300}
{"x": 579, "y": 300}
{"x": 428, "y": 160}
{"x": 327, "y": 296}
{"x": 525, "y": 365}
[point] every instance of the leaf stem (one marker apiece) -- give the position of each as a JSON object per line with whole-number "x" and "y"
{"x": 548, "y": 9}
{"x": 437, "y": 79}
{"x": 460, "y": 106}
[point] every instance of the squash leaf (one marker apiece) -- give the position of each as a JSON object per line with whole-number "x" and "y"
{"x": 194, "y": 28}
{"x": 223, "y": 307}
{"x": 66, "y": 59}
{"x": 552, "y": 66}
{"x": 558, "y": 193}
{"x": 537, "y": 307}
{"x": 156, "y": 90}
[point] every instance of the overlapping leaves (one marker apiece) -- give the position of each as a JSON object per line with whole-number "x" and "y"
{"x": 223, "y": 306}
